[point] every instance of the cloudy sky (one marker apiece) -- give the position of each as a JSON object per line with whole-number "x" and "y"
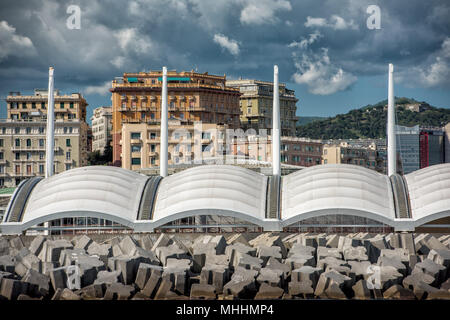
{"x": 324, "y": 49}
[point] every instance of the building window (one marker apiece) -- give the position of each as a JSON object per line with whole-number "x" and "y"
{"x": 41, "y": 142}
{"x": 152, "y": 135}
{"x": 136, "y": 161}
{"x": 135, "y": 148}
{"x": 17, "y": 169}
{"x": 41, "y": 155}
{"x": 2, "y": 182}
{"x": 28, "y": 155}
{"x": 16, "y": 130}
{"x": 41, "y": 130}
{"x": 152, "y": 148}
{"x": 42, "y": 105}
{"x": 1, "y": 142}
{"x": 71, "y": 105}
{"x": 68, "y": 155}
{"x": 135, "y": 135}
{"x": 67, "y": 142}
{"x": 24, "y": 105}
{"x": 1, "y": 155}
{"x": 61, "y": 105}
{"x": 65, "y": 129}
{"x": 17, "y": 142}
{"x": 41, "y": 168}
{"x": 152, "y": 160}
{"x": 68, "y": 166}
{"x": 284, "y": 158}
{"x": 28, "y": 142}
{"x": 17, "y": 156}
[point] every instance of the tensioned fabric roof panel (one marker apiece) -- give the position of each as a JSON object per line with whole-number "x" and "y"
{"x": 429, "y": 192}
{"x": 212, "y": 188}
{"x": 97, "y": 189}
{"x": 336, "y": 189}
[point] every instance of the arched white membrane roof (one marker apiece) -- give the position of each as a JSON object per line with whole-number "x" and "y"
{"x": 212, "y": 189}
{"x": 429, "y": 193}
{"x": 336, "y": 189}
{"x": 97, "y": 191}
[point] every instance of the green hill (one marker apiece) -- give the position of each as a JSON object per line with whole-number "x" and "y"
{"x": 305, "y": 120}
{"x": 370, "y": 121}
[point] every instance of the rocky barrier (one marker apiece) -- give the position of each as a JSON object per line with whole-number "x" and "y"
{"x": 225, "y": 267}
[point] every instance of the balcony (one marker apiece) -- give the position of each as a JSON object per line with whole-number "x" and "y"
{"x": 24, "y": 174}
{"x": 127, "y": 120}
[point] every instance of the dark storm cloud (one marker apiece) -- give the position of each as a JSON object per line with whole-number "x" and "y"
{"x": 118, "y": 36}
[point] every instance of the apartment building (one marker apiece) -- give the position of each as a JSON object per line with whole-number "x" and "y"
{"x": 365, "y": 156}
{"x": 256, "y": 104}
{"x": 187, "y": 144}
{"x": 23, "y": 135}
{"x": 294, "y": 151}
{"x": 192, "y": 96}
{"x": 101, "y": 128}
{"x": 67, "y": 107}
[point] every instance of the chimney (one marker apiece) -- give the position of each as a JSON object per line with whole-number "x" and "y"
{"x": 276, "y": 170}
{"x": 49, "y": 152}
{"x": 391, "y": 136}
{"x": 164, "y": 149}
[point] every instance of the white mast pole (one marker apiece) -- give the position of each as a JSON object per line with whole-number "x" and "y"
{"x": 164, "y": 149}
{"x": 391, "y": 136}
{"x": 50, "y": 126}
{"x": 276, "y": 157}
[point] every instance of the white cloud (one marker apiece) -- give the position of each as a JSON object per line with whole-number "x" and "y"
{"x": 320, "y": 75}
{"x": 118, "y": 62}
{"x": 335, "y": 22}
{"x": 130, "y": 40}
{"x": 315, "y": 22}
{"x": 306, "y": 42}
{"x": 102, "y": 89}
{"x": 229, "y": 44}
{"x": 434, "y": 72}
{"x": 438, "y": 72}
{"x": 12, "y": 44}
{"x": 260, "y": 12}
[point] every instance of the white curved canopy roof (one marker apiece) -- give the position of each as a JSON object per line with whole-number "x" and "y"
{"x": 212, "y": 189}
{"x": 115, "y": 194}
{"x": 336, "y": 189}
{"x": 111, "y": 192}
{"x": 429, "y": 193}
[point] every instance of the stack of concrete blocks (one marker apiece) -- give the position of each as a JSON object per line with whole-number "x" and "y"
{"x": 230, "y": 266}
